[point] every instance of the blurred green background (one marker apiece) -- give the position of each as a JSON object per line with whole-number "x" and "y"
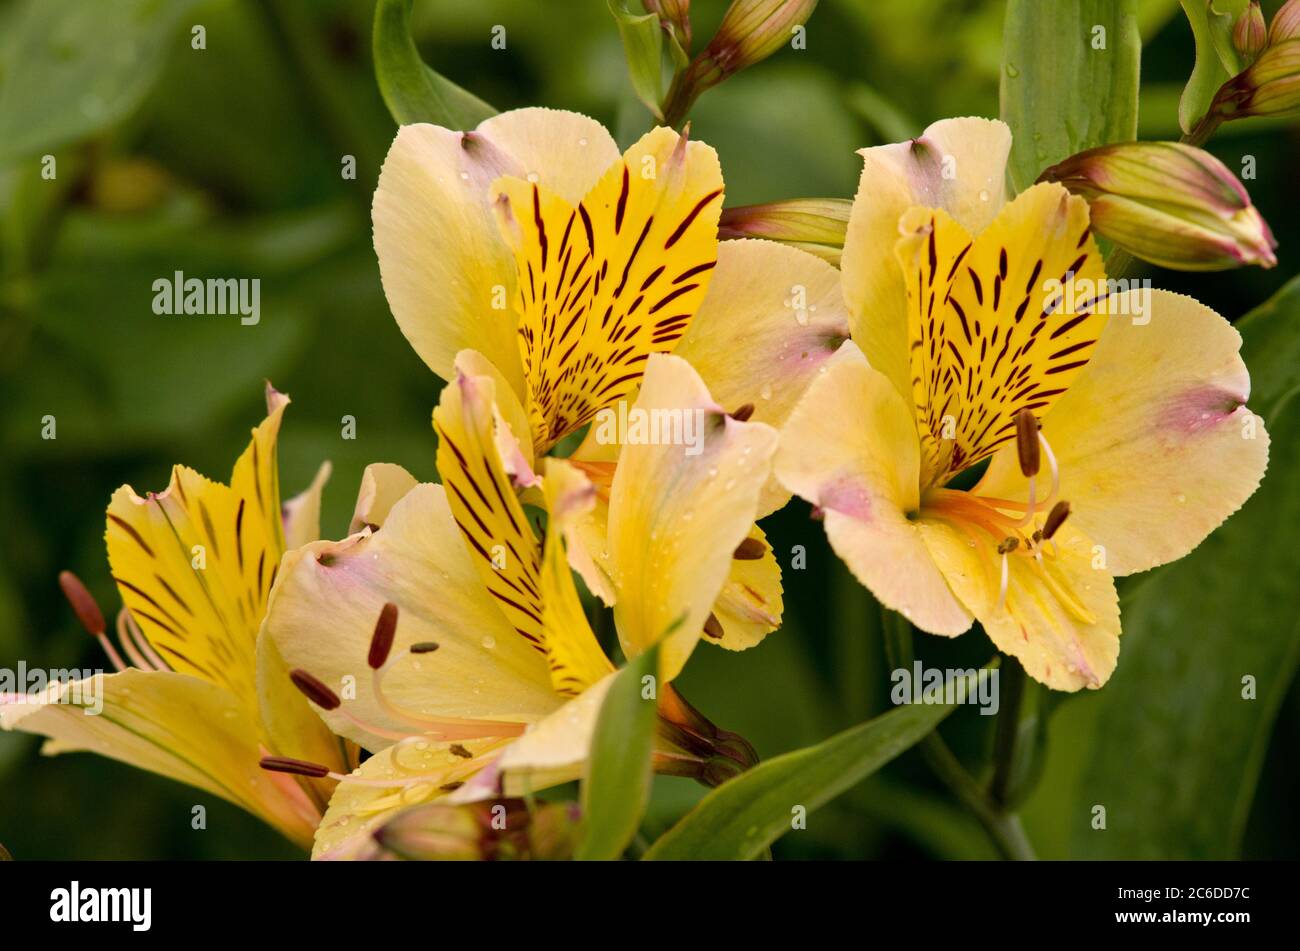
{"x": 227, "y": 161}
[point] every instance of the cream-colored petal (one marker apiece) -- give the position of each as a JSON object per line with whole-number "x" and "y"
{"x": 1154, "y": 442}
{"x": 555, "y": 750}
{"x": 514, "y": 440}
{"x": 301, "y": 514}
{"x": 383, "y": 484}
{"x": 850, "y": 447}
{"x": 178, "y": 726}
{"x": 418, "y": 770}
{"x": 772, "y": 318}
{"x": 565, "y": 151}
{"x": 1063, "y": 648}
{"x": 677, "y": 512}
{"x": 958, "y": 165}
{"x": 329, "y": 595}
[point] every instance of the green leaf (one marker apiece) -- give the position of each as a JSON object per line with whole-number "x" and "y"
{"x": 71, "y": 69}
{"x": 1216, "y": 60}
{"x": 1170, "y": 747}
{"x": 412, "y": 90}
{"x": 643, "y": 43}
{"x": 742, "y": 817}
{"x": 616, "y": 788}
{"x": 1069, "y": 79}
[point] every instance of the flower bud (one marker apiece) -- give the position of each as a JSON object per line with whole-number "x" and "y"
{"x": 1170, "y": 204}
{"x": 675, "y": 14}
{"x": 493, "y": 829}
{"x": 817, "y": 225}
{"x": 1286, "y": 23}
{"x": 752, "y": 30}
{"x": 1270, "y": 87}
{"x": 1249, "y": 33}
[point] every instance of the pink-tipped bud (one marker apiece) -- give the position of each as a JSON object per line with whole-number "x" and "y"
{"x": 381, "y": 643}
{"x": 1286, "y": 23}
{"x": 1170, "y": 204}
{"x": 83, "y": 603}
{"x": 815, "y": 225}
{"x": 1249, "y": 33}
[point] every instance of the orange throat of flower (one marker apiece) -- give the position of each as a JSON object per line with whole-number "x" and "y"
{"x": 1000, "y": 530}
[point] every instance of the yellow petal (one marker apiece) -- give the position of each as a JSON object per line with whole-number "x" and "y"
{"x": 383, "y": 484}
{"x": 572, "y": 652}
{"x": 749, "y": 607}
{"x": 958, "y": 165}
{"x": 302, "y": 512}
{"x": 1060, "y": 619}
{"x": 514, "y": 438}
{"x": 194, "y": 564}
{"x": 677, "y": 513}
{"x": 993, "y": 325}
{"x": 850, "y": 447}
{"x": 484, "y": 502}
{"x": 330, "y": 594}
{"x": 172, "y": 724}
{"x": 407, "y": 774}
{"x": 447, "y": 274}
{"x": 772, "y": 318}
{"x": 603, "y": 284}
{"x": 1155, "y": 445}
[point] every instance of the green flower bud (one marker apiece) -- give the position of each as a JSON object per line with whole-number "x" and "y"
{"x": 1270, "y": 87}
{"x": 1170, "y": 204}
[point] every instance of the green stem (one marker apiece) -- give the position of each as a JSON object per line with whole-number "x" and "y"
{"x": 1003, "y": 828}
{"x": 1012, "y": 687}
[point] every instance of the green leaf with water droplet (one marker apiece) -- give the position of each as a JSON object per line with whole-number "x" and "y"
{"x": 412, "y": 90}
{"x": 74, "y": 68}
{"x": 745, "y": 815}
{"x": 616, "y": 788}
{"x": 1069, "y": 80}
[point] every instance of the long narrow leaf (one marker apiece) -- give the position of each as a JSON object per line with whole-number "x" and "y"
{"x": 617, "y": 786}
{"x": 741, "y": 818}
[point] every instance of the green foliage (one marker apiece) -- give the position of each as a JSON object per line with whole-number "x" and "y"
{"x": 616, "y": 789}
{"x": 744, "y": 816}
{"x": 1069, "y": 79}
{"x": 70, "y": 69}
{"x": 412, "y": 90}
{"x": 643, "y": 44}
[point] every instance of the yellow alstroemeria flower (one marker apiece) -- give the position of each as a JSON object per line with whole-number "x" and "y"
{"x": 485, "y": 677}
{"x": 203, "y": 697}
{"x": 532, "y": 246}
{"x": 967, "y": 340}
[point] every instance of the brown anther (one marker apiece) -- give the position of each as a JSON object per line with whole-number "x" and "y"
{"x": 751, "y": 549}
{"x": 83, "y": 603}
{"x": 457, "y": 750}
{"x": 381, "y": 642}
{"x": 423, "y": 647}
{"x": 1059, "y": 513}
{"x": 299, "y": 767}
{"x": 1027, "y": 442}
{"x": 314, "y": 690}
{"x": 817, "y": 513}
{"x": 1008, "y": 545}
{"x": 452, "y": 786}
{"x": 742, "y": 413}
{"x": 713, "y": 627}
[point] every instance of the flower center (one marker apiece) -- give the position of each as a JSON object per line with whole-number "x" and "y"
{"x": 1001, "y": 530}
